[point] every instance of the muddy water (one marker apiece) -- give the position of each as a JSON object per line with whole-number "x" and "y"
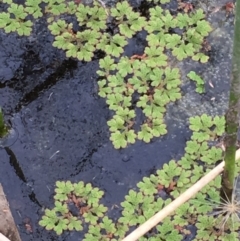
{"x": 53, "y": 105}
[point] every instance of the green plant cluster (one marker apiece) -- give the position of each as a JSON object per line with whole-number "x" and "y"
{"x": 91, "y": 34}
{"x": 158, "y": 190}
{"x": 84, "y": 199}
{"x": 92, "y": 21}
{"x": 199, "y": 154}
{"x": 149, "y": 77}
{"x": 155, "y": 192}
{"x": 155, "y": 88}
{"x": 16, "y": 18}
{"x": 147, "y": 81}
{"x": 76, "y": 206}
{"x": 187, "y": 44}
{"x": 199, "y": 81}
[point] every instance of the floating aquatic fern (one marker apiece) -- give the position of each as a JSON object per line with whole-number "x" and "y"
{"x": 63, "y": 189}
{"x": 195, "y": 29}
{"x": 169, "y": 172}
{"x": 149, "y": 76}
{"x": 55, "y": 7}
{"x": 94, "y": 17}
{"x": 204, "y": 211}
{"x": 55, "y": 219}
{"x": 129, "y": 22}
{"x": 207, "y": 126}
{"x": 86, "y": 200}
{"x": 118, "y": 90}
{"x": 14, "y": 20}
{"x": 112, "y": 45}
{"x": 199, "y": 81}
{"x": 33, "y": 8}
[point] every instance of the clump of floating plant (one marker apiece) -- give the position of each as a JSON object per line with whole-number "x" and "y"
{"x": 92, "y": 21}
{"x": 149, "y": 78}
{"x": 213, "y": 219}
{"x": 199, "y": 81}
{"x": 187, "y": 44}
{"x": 3, "y": 127}
{"x": 15, "y": 19}
{"x": 107, "y": 229}
{"x": 91, "y": 34}
{"x": 83, "y": 41}
{"x": 174, "y": 178}
{"x": 75, "y": 205}
{"x": 155, "y": 88}
{"x": 128, "y": 21}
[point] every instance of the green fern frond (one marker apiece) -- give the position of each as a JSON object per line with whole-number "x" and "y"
{"x": 74, "y": 224}
{"x": 112, "y": 45}
{"x": 103, "y": 88}
{"x": 60, "y": 208}
{"x": 173, "y": 40}
{"x": 155, "y": 13}
{"x": 212, "y": 155}
{"x": 200, "y": 57}
{"x": 200, "y": 123}
{"x": 106, "y": 65}
{"x": 33, "y": 8}
{"x": 121, "y": 10}
{"x": 155, "y": 57}
{"x": 183, "y": 20}
{"x": 205, "y": 230}
{"x": 98, "y": 18}
{"x": 168, "y": 173}
{"x": 121, "y": 230}
{"x": 108, "y": 226}
{"x": 147, "y": 186}
{"x": 17, "y": 11}
{"x": 198, "y": 15}
{"x": 124, "y": 67}
{"x": 58, "y": 27}
{"x": 145, "y": 134}
{"x": 62, "y": 190}
{"x": 169, "y": 20}
{"x": 167, "y": 231}
{"x": 49, "y": 219}
{"x": 199, "y": 81}
{"x": 158, "y": 127}
{"x": 115, "y": 101}
{"x": 55, "y": 7}
{"x": 219, "y": 124}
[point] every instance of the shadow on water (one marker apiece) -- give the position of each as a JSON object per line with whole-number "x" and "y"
{"x": 66, "y": 66}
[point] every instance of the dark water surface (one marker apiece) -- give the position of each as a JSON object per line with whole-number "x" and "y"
{"x": 53, "y": 105}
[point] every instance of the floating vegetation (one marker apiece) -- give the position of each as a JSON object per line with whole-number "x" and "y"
{"x": 213, "y": 219}
{"x": 149, "y": 77}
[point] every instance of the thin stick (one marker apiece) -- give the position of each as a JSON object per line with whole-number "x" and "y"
{"x": 158, "y": 217}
